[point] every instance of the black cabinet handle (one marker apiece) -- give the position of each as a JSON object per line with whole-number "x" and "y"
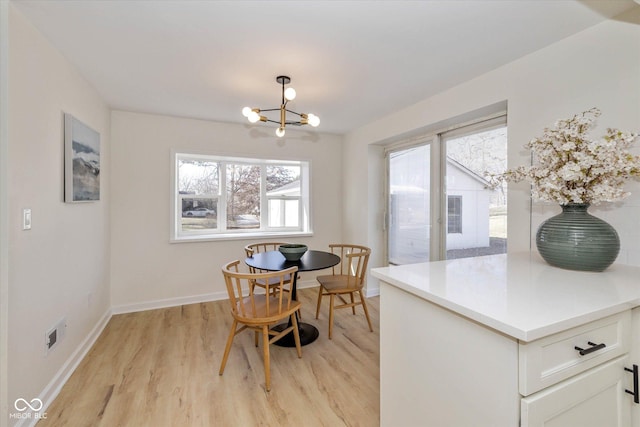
{"x": 636, "y": 391}
{"x": 594, "y": 347}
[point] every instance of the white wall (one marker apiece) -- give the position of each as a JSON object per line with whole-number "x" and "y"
{"x": 4, "y": 216}
{"x": 59, "y": 268}
{"x": 147, "y": 270}
{"x": 599, "y": 67}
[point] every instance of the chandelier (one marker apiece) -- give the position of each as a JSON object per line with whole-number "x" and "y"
{"x": 254, "y": 114}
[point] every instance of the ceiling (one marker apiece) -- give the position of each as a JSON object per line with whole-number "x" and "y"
{"x": 351, "y": 62}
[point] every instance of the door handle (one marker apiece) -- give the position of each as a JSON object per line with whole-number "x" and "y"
{"x": 636, "y": 391}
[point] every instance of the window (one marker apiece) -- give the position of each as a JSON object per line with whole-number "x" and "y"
{"x": 222, "y": 197}
{"x": 454, "y": 214}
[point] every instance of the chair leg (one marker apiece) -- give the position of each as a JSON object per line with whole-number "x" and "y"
{"x": 267, "y": 362}
{"x": 330, "y": 315}
{"x": 296, "y": 334}
{"x": 228, "y": 347}
{"x": 319, "y": 301}
{"x": 366, "y": 311}
{"x": 256, "y": 334}
{"x": 353, "y": 307}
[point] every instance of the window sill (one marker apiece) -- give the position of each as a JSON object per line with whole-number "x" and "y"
{"x": 240, "y": 236}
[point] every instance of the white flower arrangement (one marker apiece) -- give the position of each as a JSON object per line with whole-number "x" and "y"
{"x": 570, "y": 167}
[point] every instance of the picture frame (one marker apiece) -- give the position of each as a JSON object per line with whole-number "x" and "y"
{"x": 81, "y": 161}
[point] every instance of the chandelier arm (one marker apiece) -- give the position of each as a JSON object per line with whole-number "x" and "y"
{"x": 272, "y": 121}
{"x": 270, "y": 109}
{"x": 293, "y": 112}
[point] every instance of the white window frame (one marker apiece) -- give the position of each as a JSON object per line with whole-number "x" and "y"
{"x": 221, "y": 233}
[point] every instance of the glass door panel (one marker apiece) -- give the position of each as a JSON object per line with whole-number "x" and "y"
{"x": 409, "y": 207}
{"x": 476, "y": 214}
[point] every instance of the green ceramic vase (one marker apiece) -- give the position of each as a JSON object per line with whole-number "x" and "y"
{"x": 577, "y": 240}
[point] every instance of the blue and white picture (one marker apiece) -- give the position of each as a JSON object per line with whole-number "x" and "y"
{"x": 82, "y": 161}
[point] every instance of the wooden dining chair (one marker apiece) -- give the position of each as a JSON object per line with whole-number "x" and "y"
{"x": 347, "y": 278}
{"x": 258, "y": 312}
{"x": 255, "y": 248}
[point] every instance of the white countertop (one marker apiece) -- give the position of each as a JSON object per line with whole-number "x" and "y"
{"x": 518, "y": 294}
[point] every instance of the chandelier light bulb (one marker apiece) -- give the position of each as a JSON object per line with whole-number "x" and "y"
{"x": 246, "y": 111}
{"x": 313, "y": 120}
{"x": 280, "y": 132}
{"x": 253, "y": 117}
{"x": 290, "y": 94}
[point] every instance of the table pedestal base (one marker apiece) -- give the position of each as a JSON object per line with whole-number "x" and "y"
{"x": 308, "y": 334}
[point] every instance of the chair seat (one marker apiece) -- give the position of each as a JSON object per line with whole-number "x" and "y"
{"x": 260, "y": 302}
{"x": 338, "y": 283}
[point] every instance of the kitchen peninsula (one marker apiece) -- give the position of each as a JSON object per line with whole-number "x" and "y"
{"x": 507, "y": 340}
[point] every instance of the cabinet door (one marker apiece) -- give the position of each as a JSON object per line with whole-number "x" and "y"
{"x": 635, "y": 360}
{"x": 594, "y": 398}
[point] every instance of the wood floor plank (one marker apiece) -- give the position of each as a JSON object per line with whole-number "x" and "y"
{"x": 160, "y": 368}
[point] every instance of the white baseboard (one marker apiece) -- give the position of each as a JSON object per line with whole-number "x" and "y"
{"x": 304, "y": 284}
{"x": 52, "y": 389}
{"x": 169, "y": 302}
{"x": 194, "y": 299}
{"x": 370, "y": 291}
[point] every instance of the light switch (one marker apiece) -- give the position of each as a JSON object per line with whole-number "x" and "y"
{"x": 26, "y": 219}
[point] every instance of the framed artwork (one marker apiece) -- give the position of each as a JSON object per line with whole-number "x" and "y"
{"x": 81, "y": 161}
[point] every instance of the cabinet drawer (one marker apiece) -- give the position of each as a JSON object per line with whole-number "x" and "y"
{"x": 551, "y": 359}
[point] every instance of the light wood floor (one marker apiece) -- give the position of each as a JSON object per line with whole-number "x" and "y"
{"x": 160, "y": 368}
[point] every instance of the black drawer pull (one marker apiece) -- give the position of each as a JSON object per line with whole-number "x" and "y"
{"x": 636, "y": 391}
{"x": 594, "y": 347}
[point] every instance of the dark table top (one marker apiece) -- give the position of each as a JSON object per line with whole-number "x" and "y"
{"x": 310, "y": 261}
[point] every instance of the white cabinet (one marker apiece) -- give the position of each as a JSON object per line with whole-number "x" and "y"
{"x": 507, "y": 340}
{"x": 594, "y": 398}
{"x": 438, "y": 368}
{"x": 565, "y": 381}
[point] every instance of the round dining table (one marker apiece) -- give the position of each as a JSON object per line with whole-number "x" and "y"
{"x": 310, "y": 261}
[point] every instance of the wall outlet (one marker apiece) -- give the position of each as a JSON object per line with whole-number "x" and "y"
{"x": 54, "y": 335}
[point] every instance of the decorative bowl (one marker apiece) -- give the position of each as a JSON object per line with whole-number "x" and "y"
{"x": 292, "y": 252}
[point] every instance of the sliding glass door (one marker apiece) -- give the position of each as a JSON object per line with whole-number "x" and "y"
{"x": 440, "y": 204}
